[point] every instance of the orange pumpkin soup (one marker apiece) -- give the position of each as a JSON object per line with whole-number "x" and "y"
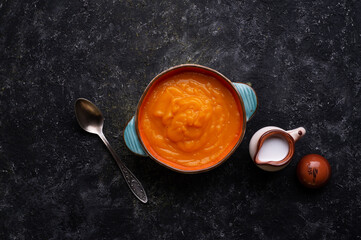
{"x": 190, "y": 120}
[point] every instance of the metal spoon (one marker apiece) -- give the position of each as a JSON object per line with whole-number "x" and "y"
{"x": 91, "y": 120}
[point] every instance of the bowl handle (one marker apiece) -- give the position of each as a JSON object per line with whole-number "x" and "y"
{"x": 131, "y": 139}
{"x": 249, "y": 98}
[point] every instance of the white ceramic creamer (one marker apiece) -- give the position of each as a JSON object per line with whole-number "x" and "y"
{"x": 272, "y": 148}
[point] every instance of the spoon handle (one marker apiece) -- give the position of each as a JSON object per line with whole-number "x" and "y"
{"x": 133, "y": 183}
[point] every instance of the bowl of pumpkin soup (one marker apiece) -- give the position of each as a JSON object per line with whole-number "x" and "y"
{"x": 190, "y": 118}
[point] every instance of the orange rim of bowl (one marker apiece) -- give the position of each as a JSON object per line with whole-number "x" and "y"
{"x": 218, "y": 76}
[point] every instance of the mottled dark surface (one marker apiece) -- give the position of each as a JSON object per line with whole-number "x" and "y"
{"x": 58, "y": 182}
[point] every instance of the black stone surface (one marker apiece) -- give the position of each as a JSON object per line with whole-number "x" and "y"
{"x": 59, "y": 182}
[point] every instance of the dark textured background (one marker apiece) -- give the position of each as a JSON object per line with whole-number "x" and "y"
{"x": 58, "y": 182}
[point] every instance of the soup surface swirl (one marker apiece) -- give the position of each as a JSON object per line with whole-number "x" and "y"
{"x": 189, "y": 119}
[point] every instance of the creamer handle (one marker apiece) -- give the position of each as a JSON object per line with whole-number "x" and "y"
{"x": 249, "y": 98}
{"x": 131, "y": 139}
{"x": 297, "y": 133}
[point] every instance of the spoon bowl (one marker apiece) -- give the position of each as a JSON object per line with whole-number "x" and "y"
{"x": 89, "y": 116}
{"x": 91, "y": 120}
